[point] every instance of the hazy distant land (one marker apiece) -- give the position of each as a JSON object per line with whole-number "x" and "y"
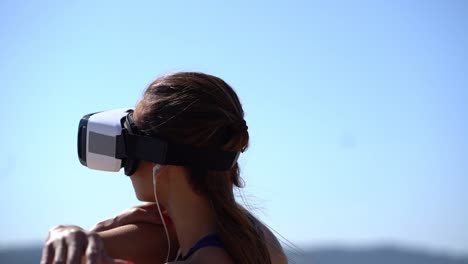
{"x": 377, "y": 255}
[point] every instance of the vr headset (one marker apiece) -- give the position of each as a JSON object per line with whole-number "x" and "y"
{"x": 109, "y": 141}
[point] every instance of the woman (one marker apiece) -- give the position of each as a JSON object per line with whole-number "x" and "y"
{"x": 202, "y": 217}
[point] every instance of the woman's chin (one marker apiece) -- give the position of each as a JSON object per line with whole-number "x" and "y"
{"x": 145, "y": 198}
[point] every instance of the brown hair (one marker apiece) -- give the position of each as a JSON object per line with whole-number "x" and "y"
{"x": 203, "y": 110}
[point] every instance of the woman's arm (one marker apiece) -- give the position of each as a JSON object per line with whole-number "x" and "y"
{"x": 139, "y": 242}
{"x": 137, "y": 235}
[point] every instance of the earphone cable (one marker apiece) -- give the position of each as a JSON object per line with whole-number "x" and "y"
{"x": 156, "y": 168}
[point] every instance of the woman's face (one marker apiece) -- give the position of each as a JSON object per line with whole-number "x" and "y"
{"x": 143, "y": 182}
{"x": 142, "y": 178}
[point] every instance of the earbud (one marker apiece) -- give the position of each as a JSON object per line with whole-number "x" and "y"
{"x": 156, "y": 169}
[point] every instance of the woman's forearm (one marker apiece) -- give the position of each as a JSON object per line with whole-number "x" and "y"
{"x": 139, "y": 242}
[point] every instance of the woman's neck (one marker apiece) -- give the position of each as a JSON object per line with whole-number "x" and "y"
{"x": 192, "y": 216}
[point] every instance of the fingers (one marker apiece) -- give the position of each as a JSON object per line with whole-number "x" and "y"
{"x": 74, "y": 245}
{"x": 148, "y": 206}
{"x": 105, "y": 225}
{"x": 47, "y": 253}
{"x": 147, "y": 213}
{"x": 77, "y": 243}
{"x": 74, "y": 256}
{"x": 65, "y": 244}
{"x": 95, "y": 248}
{"x": 134, "y": 215}
{"x": 60, "y": 251}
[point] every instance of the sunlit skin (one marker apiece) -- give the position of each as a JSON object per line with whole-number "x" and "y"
{"x": 142, "y": 183}
{"x": 191, "y": 213}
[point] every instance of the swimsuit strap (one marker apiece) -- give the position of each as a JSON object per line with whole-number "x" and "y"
{"x": 211, "y": 240}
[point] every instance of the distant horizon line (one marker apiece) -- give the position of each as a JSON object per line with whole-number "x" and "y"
{"x": 380, "y": 244}
{"x": 315, "y": 246}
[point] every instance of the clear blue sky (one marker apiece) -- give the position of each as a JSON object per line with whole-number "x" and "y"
{"x": 357, "y": 111}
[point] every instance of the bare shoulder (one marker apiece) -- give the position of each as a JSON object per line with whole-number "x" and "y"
{"x": 211, "y": 255}
{"x": 274, "y": 246}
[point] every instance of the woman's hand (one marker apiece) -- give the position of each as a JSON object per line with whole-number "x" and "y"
{"x": 74, "y": 245}
{"x": 120, "y": 237}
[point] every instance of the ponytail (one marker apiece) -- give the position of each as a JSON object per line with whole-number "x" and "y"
{"x": 241, "y": 237}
